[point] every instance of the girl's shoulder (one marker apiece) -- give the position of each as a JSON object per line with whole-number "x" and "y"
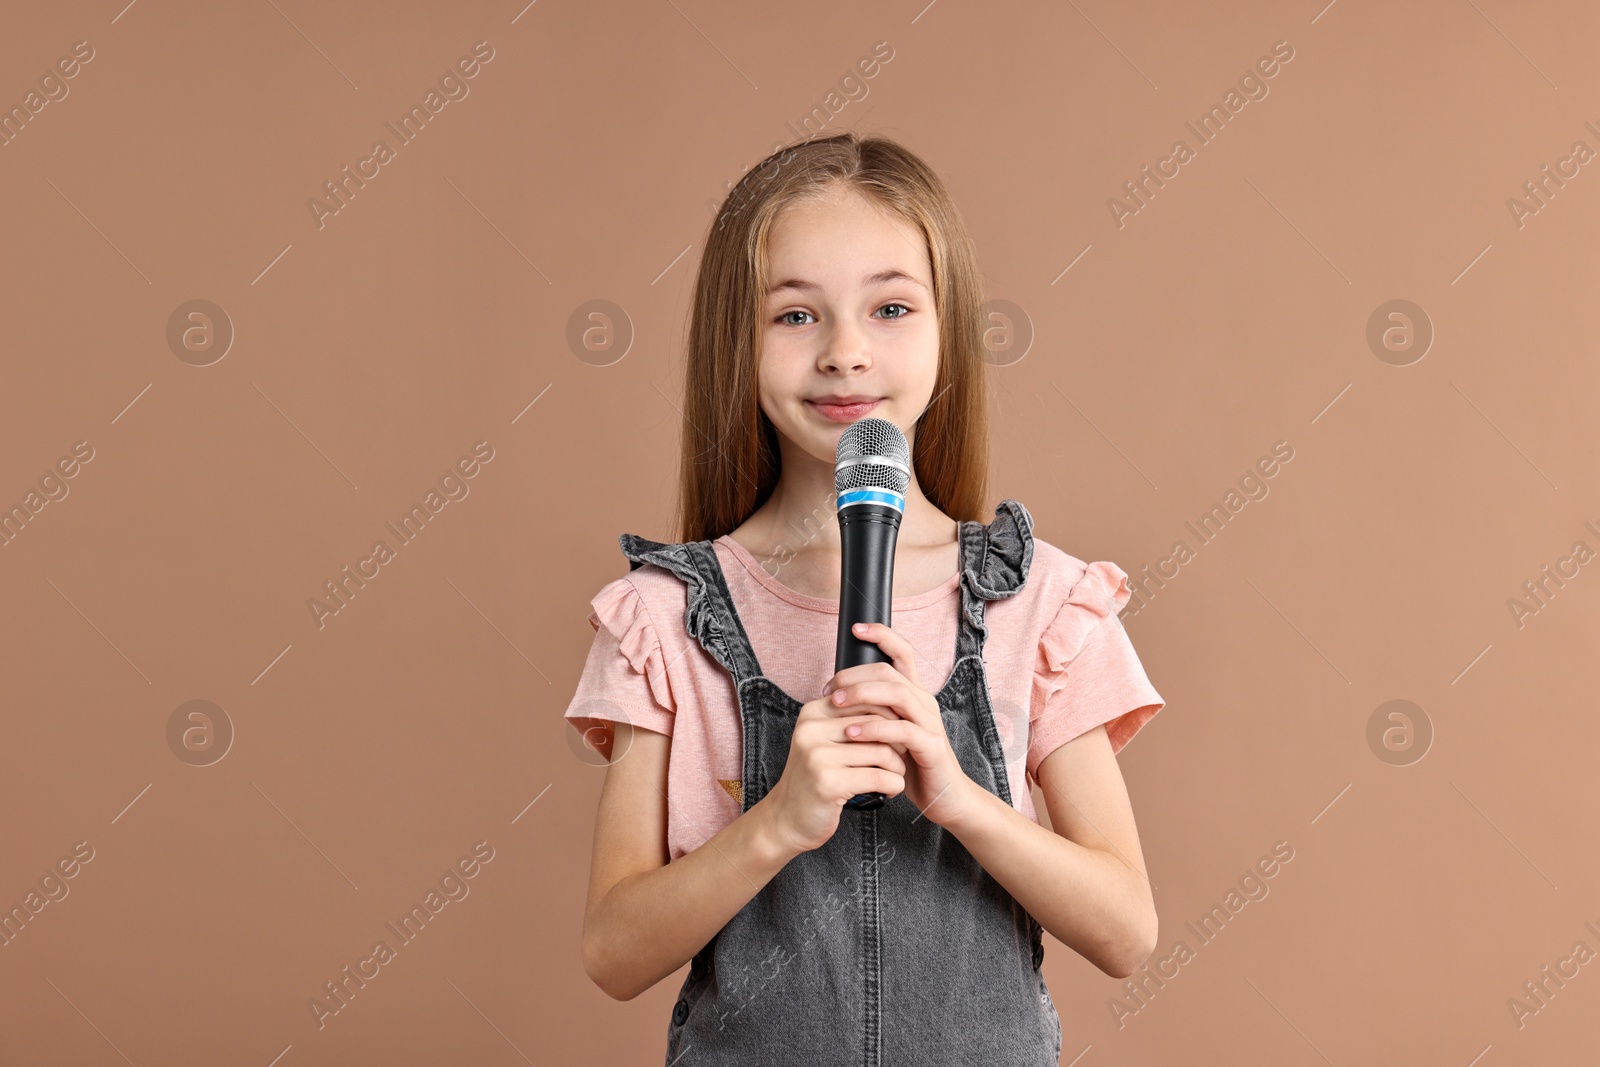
{"x": 642, "y": 614}
{"x": 1057, "y": 575}
{"x": 1065, "y": 599}
{"x": 1086, "y": 667}
{"x": 1018, "y": 562}
{"x": 647, "y": 596}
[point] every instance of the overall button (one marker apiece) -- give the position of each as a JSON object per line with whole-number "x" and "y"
{"x": 680, "y": 1013}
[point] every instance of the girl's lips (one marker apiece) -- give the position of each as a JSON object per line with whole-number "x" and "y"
{"x": 842, "y": 412}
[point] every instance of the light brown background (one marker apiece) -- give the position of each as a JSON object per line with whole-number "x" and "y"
{"x": 432, "y": 311}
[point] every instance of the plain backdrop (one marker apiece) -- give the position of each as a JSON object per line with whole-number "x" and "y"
{"x": 341, "y": 764}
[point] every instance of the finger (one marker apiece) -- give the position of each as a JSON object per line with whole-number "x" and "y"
{"x": 863, "y": 672}
{"x": 843, "y": 715}
{"x": 861, "y": 711}
{"x": 897, "y": 695}
{"x": 839, "y": 717}
{"x": 876, "y": 780}
{"x": 896, "y": 647}
{"x": 846, "y": 717}
{"x": 916, "y": 740}
{"x": 844, "y": 711}
{"x": 873, "y": 754}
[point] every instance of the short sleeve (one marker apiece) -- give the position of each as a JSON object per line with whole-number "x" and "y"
{"x": 1088, "y": 673}
{"x": 625, "y": 676}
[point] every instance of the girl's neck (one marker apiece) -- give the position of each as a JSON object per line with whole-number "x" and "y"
{"x": 796, "y": 518}
{"x": 795, "y": 534}
{"x": 801, "y": 514}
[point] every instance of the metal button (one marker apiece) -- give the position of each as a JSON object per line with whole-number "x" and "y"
{"x": 680, "y": 1013}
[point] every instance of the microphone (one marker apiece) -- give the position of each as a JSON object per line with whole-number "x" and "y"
{"x": 871, "y": 472}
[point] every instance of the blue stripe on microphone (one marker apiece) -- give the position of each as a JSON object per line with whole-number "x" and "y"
{"x": 873, "y": 496}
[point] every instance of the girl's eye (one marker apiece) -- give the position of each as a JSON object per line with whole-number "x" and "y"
{"x": 784, "y": 319}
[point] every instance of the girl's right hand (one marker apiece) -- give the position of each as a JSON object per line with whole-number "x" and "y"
{"x": 825, "y": 768}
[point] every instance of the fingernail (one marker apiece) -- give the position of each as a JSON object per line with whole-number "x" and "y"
{"x": 853, "y": 731}
{"x": 860, "y": 627}
{"x": 838, "y": 697}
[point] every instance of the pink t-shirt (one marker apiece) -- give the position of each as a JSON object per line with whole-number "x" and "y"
{"x": 1058, "y": 663}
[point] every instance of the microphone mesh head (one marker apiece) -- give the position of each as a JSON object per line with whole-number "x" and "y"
{"x": 872, "y": 453}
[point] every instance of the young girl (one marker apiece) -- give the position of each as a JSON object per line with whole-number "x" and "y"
{"x": 837, "y": 282}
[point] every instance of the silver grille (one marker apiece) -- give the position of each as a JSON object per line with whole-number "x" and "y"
{"x": 872, "y": 453}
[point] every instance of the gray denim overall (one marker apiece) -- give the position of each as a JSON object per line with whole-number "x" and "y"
{"x": 889, "y": 946}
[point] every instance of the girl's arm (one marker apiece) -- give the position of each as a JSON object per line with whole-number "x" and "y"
{"x": 646, "y": 917}
{"x": 1085, "y": 882}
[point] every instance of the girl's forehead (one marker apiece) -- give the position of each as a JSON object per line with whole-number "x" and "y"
{"x": 845, "y": 207}
{"x": 838, "y": 244}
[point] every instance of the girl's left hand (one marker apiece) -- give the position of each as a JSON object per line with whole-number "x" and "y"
{"x": 935, "y": 781}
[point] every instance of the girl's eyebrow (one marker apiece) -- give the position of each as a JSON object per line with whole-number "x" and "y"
{"x": 890, "y": 275}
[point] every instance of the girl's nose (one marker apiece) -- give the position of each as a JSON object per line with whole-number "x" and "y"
{"x": 846, "y": 349}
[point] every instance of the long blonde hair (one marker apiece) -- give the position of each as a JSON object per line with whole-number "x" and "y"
{"x": 730, "y": 461}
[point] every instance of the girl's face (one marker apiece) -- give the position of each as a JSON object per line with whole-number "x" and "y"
{"x": 850, "y": 315}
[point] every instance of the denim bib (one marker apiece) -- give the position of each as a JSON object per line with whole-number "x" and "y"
{"x": 890, "y": 945}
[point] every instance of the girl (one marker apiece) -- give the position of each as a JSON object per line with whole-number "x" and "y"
{"x": 838, "y": 281}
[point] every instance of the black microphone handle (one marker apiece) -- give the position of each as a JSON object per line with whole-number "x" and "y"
{"x": 867, "y": 535}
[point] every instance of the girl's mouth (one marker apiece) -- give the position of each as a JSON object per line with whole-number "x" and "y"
{"x": 842, "y": 412}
